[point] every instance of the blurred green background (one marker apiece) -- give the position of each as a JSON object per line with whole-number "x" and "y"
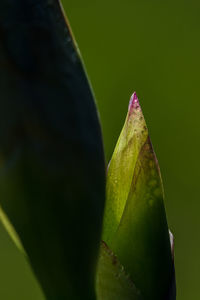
{"x": 153, "y": 48}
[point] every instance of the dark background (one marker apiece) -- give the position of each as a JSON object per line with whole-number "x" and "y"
{"x": 153, "y": 48}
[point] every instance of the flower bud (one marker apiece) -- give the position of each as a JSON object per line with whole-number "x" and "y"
{"x": 135, "y": 225}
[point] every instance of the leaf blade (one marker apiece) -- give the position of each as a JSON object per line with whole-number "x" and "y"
{"x": 51, "y": 152}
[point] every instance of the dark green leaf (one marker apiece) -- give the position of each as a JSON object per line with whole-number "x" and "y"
{"x": 52, "y": 173}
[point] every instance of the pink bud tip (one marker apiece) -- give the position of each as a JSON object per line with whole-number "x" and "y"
{"x": 134, "y": 103}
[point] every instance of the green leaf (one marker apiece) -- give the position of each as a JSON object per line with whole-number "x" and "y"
{"x": 11, "y": 231}
{"x": 112, "y": 281}
{"x": 52, "y": 171}
{"x": 140, "y": 238}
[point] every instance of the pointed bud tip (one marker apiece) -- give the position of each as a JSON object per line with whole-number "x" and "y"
{"x": 134, "y": 103}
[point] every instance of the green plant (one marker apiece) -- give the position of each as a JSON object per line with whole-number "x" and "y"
{"x": 52, "y": 185}
{"x": 135, "y": 226}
